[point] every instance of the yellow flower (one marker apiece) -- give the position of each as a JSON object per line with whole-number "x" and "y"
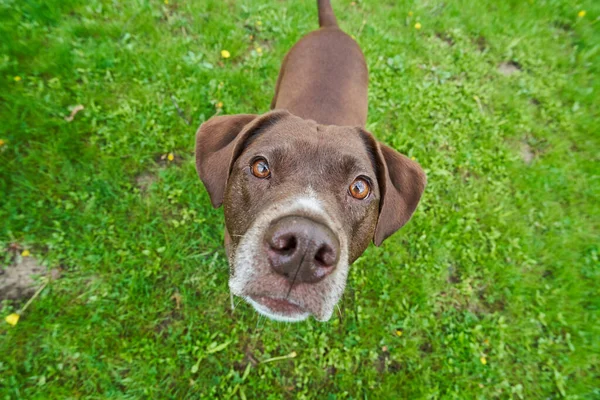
{"x": 259, "y": 50}
{"x": 220, "y": 104}
{"x": 12, "y": 319}
{"x": 398, "y": 332}
{"x": 581, "y": 14}
{"x": 483, "y": 360}
{"x": 170, "y": 157}
{"x": 225, "y": 54}
{"x": 25, "y": 253}
{"x": 2, "y": 142}
{"x": 418, "y": 25}
{"x": 413, "y": 158}
{"x": 17, "y": 78}
{"x": 410, "y": 13}
{"x": 259, "y": 23}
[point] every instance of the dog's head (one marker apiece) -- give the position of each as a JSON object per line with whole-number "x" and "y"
{"x": 302, "y": 201}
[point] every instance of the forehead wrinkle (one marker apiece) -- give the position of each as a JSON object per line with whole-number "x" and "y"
{"x": 262, "y": 145}
{"x": 338, "y": 160}
{"x": 352, "y": 164}
{"x": 278, "y": 154}
{"x": 329, "y": 158}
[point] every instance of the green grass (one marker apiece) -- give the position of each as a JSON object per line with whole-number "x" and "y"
{"x": 500, "y": 261}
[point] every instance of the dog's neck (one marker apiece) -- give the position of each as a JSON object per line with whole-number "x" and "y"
{"x": 324, "y": 78}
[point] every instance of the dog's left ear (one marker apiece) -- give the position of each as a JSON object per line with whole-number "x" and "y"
{"x": 401, "y": 183}
{"x": 219, "y": 141}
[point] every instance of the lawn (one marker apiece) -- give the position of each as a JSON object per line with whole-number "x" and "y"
{"x": 492, "y": 290}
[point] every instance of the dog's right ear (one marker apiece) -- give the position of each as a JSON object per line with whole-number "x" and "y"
{"x": 219, "y": 141}
{"x": 215, "y": 141}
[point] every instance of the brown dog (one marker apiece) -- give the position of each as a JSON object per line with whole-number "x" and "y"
{"x": 305, "y": 188}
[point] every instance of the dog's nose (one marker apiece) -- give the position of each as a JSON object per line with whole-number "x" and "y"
{"x": 301, "y": 250}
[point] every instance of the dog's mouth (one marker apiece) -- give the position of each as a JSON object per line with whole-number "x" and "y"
{"x": 278, "y": 308}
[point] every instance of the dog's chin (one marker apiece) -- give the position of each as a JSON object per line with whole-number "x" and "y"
{"x": 286, "y": 306}
{"x": 278, "y": 309}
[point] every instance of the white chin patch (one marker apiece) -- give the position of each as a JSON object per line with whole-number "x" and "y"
{"x": 274, "y": 316}
{"x": 248, "y": 270}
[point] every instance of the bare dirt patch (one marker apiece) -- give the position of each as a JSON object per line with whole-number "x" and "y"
{"x": 563, "y": 26}
{"x": 19, "y": 280}
{"x": 508, "y": 68}
{"x": 145, "y": 180}
{"x": 527, "y": 154}
{"x": 453, "y": 275}
{"x": 481, "y": 43}
{"x": 446, "y": 38}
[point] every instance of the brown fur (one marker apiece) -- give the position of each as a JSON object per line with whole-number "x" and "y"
{"x": 313, "y": 138}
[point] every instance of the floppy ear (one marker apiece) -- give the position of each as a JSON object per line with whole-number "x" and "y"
{"x": 219, "y": 141}
{"x": 215, "y": 141}
{"x": 401, "y": 182}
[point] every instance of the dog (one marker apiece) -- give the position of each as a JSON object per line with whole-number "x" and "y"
{"x": 304, "y": 187}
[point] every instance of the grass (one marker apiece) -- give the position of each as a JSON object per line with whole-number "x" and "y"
{"x": 491, "y": 291}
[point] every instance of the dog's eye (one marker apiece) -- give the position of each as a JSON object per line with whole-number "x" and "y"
{"x": 260, "y": 168}
{"x": 360, "y": 188}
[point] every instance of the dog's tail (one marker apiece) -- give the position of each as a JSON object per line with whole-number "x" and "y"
{"x": 326, "y": 16}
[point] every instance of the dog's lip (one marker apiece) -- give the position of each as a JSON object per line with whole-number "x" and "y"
{"x": 279, "y": 305}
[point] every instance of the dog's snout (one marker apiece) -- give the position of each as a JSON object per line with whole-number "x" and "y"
{"x": 301, "y": 250}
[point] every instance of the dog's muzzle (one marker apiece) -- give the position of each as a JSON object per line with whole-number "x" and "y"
{"x": 292, "y": 262}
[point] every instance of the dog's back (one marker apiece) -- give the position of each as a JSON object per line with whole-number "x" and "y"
{"x": 324, "y": 76}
